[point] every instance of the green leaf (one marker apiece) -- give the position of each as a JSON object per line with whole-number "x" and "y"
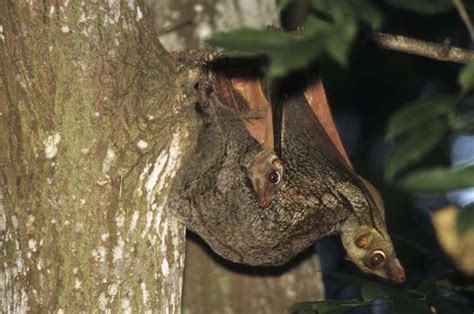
{"x": 438, "y": 179}
{"x": 285, "y": 50}
{"x": 464, "y": 123}
{"x": 465, "y": 220}
{"x": 291, "y": 51}
{"x": 412, "y": 149}
{"x": 397, "y": 292}
{"x": 444, "y": 283}
{"x": 405, "y": 305}
{"x": 466, "y": 76}
{"x": 326, "y": 307}
{"x": 445, "y": 305}
{"x": 469, "y": 288}
{"x": 360, "y": 281}
{"x": 371, "y": 291}
{"x": 429, "y": 7}
{"x": 334, "y": 39}
{"x": 282, "y": 4}
{"x": 357, "y": 10}
{"x": 338, "y": 45}
{"x": 417, "y": 113}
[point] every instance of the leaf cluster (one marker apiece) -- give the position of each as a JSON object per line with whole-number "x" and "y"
{"x": 440, "y": 296}
{"x": 419, "y": 127}
{"x": 329, "y": 30}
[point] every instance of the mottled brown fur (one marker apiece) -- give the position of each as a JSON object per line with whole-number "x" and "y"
{"x": 321, "y": 194}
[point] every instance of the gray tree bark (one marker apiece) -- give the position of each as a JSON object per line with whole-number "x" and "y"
{"x": 213, "y": 286}
{"x": 95, "y": 118}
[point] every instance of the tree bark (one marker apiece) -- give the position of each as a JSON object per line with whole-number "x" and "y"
{"x": 95, "y": 118}
{"x": 213, "y": 285}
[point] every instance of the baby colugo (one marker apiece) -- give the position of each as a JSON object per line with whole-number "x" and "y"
{"x": 265, "y": 171}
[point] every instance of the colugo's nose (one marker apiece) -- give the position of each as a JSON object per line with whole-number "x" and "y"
{"x": 264, "y": 202}
{"x": 400, "y": 279}
{"x": 398, "y": 272}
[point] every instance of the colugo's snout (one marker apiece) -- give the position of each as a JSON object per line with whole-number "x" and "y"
{"x": 397, "y": 271}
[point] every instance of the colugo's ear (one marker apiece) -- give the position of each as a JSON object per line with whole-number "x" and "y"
{"x": 277, "y": 163}
{"x": 354, "y": 235}
{"x": 375, "y": 195}
{"x": 362, "y": 241}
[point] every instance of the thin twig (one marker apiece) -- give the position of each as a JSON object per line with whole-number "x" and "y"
{"x": 438, "y": 51}
{"x": 464, "y": 16}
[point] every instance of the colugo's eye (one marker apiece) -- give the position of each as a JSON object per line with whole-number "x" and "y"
{"x": 376, "y": 258}
{"x": 274, "y": 177}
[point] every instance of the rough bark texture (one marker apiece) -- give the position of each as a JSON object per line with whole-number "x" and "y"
{"x": 212, "y": 285}
{"x": 95, "y": 118}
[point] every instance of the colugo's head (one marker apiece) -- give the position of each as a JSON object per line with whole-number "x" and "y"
{"x": 371, "y": 250}
{"x": 265, "y": 172}
{"x": 365, "y": 238}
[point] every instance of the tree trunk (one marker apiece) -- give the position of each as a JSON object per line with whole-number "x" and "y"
{"x": 95, "y": 118}
{"x": 213, "y": 285}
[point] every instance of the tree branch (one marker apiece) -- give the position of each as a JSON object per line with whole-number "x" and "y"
{"x": 438, "y": 51}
